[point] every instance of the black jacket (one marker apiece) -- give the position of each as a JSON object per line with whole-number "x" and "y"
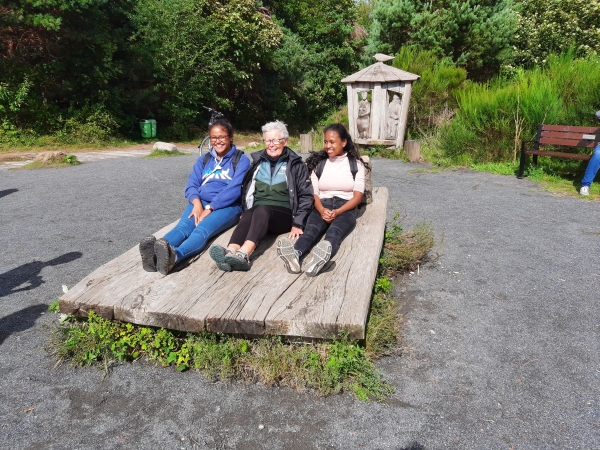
{"x": 299, "y": 185}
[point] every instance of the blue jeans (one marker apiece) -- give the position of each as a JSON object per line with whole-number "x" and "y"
{"x": 189, "y": 239}
{"x": 592, "y": 168}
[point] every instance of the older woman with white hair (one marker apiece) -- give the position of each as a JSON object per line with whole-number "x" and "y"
{"x": 277, "y": 197}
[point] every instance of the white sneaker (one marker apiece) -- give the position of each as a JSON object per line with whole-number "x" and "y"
{"x": 585, "y": 190}
{"x": 286, "y": 251}
{"x": 320, "y": 255}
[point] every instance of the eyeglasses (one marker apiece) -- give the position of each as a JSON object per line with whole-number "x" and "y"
{"x": 274, "y": 141}
{"x": 219, "y": 138}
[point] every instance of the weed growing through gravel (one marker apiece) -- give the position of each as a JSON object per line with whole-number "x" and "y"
{"x": 67, "y": 160}
{"x": 326, "y": 367}
{"x": 160, "y": 153}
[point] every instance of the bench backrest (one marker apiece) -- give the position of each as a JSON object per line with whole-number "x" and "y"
{"x": 586, "y": 137}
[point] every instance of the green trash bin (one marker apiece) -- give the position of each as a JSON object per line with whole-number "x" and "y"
{"x": 148, "y": 128}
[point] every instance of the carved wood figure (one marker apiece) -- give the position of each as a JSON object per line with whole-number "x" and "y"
{"x": 364, "y": 116}
{"x": 393, "y": 117}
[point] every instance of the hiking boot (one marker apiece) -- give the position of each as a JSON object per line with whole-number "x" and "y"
{"x": 218, "y": 253}
{"x": 585, "y": 190}
{"x": 165, "y": 256}
{"x": 238, "y": 261}
{"x": 290, "y": 256}
{"x": 320, "y": 255}
{"x": 147, "y": 253}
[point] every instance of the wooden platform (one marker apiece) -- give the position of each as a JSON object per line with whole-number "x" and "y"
{"x": 265, "y": 300}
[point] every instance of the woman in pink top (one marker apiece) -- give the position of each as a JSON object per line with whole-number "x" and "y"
{"x": 337, "y": 191}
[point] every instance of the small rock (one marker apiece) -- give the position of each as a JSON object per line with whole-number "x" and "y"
{"x": 261, "y": 426}
{"x": 253, "y": 144}
{"x": 51, "y": 157}
{"x": 164, "y": 146}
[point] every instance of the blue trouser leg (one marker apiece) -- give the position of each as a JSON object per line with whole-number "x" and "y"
{"x": 189, "y": 240}
{"x": 592, "y": 168}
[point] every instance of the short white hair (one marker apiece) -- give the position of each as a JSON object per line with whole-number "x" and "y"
{"x": 278, "y": 125}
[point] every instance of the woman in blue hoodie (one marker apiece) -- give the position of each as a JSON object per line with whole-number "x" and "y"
{"x": 213, "y": 191}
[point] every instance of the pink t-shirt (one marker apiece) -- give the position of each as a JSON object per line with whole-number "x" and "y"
{"x": 336, "y": 179}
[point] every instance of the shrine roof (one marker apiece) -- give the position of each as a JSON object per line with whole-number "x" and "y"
{"x": 380, "y": 73}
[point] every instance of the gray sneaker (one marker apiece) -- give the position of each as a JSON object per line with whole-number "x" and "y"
{"x": 147, "y": 253}
{"x": 238, "y": 261}
{"x": 320, "y": 255}
{"x": 218, "y": 253}
{"x": 290, "y": 256}
{"x": 585, "y": 190}
{"x": 165, "y": 256}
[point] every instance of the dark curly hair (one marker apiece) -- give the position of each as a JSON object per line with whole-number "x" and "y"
{"x": 224, "y": 123}
{"x": 350, "y": 148}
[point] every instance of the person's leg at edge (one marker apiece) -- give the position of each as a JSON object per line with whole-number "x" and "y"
{"x": 215, "y": 223}
{"x": 183, "y": 229}
{"x": 592, "y": 169}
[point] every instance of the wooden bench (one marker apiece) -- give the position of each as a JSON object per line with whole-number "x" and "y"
{"x": 265, "y": 300}
{"x": 559, "y": 136}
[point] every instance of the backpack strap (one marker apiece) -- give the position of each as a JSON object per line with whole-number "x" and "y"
{"x": 353, "y": 167}
{"x": 320, "y": 167}
{"x": 236, "y": 158}
{"x": 234, "y": 161}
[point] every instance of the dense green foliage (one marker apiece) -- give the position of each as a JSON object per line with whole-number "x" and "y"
{"x": 433, "y": 101}
{"x": 552, "y": 26}
{"x": 85, "y": 69}
{"x": 475, "y": 34}
{"x": 492, "y": 118}
{"x": 63, "y": 63}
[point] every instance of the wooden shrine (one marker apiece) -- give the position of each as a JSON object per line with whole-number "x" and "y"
{"x": 378, "y": 100}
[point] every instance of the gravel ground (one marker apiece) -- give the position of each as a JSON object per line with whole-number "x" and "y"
{"x": 501, "y": 338}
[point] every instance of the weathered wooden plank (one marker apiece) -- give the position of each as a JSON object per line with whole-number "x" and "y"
{"x": 579, "y": 156}
{"x": 565, "y": 135}
{"x": 339, "y": 297}
{"x": 568, "y": 142}
{"x": 572, "y": 129}
{"x": 103, "y": 288}
{"x": 266, "y": 299}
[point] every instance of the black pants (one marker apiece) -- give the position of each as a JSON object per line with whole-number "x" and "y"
{"x": 335, "y": 232}
{"x": 257, "y": 221}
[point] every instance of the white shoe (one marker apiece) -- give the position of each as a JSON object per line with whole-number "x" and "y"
{"x": 286, "y": 251}
{"x": 320, "y": 255}
{"x": 585, "y": 190}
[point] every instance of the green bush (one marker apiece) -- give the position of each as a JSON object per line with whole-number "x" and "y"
{"x": 493, "y": 118}
{"x": 432, "y": 101}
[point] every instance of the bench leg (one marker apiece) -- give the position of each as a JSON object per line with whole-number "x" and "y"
{"x": 522, "y": 161}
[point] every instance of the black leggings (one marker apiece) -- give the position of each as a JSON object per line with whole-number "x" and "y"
{"x": 335, "y": 232}
{"x": 257, "y": 221}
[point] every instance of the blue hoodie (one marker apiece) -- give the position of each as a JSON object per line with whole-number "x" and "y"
{"x": 215, "y": 185}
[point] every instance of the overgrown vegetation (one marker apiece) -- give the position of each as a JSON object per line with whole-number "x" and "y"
{"x": 59, "y": 160}
{"x": 325, "y": 367}
{"x": 155, "y": 153}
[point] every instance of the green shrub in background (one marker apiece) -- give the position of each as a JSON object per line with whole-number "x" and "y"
{"x": 475, "y": 34}
{"x": 494, "y": 117}
{"x": 432, "y": 101}
{"x": 550, "y": 26}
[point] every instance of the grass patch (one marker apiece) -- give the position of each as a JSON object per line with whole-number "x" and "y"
{"x": 51, "y": 161}
{"x": 556, "y": 176}
{"x": 325, "y": 367}
{"x": 162, "y": 153}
